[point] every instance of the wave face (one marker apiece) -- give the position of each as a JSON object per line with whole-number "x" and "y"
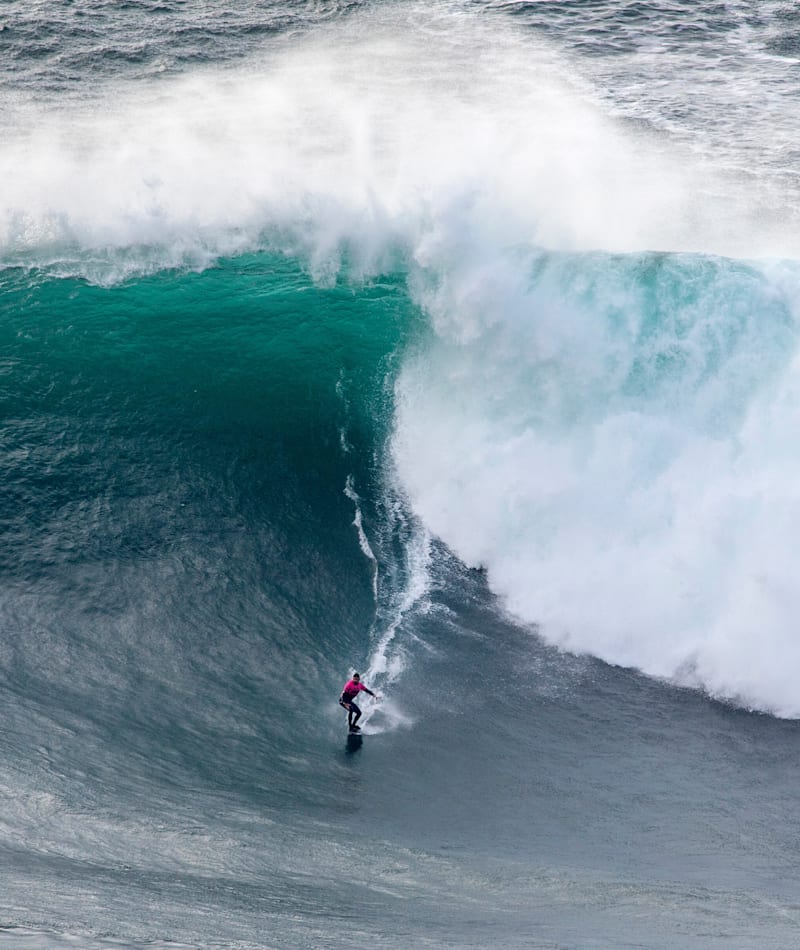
{"x": 457, "y": 344}
{"x": 171, "y": 441}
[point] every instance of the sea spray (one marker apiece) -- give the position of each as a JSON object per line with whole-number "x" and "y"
{"x": 466, "y": 126}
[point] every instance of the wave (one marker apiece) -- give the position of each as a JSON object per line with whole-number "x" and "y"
{"x": 595, "y": 408}
{"x": 177, "y": 530}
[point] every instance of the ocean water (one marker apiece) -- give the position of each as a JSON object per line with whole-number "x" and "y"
{"x": 456, "y": 343}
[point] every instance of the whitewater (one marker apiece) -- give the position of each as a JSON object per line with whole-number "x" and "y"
{"x": 456, "y": 343}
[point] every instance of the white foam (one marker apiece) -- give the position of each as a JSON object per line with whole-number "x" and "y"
{"x": 401, "y": 593}
{"x": 404, "y": 128}
{"x": 618, "y": 456}
{"x": 384, "y": 716}
{"x": 363, "y": 540}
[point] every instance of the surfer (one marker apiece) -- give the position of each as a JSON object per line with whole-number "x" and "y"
{"x": 351, "y": 689}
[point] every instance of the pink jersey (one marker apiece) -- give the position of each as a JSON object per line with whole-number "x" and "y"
{"x": 352, "y": 689}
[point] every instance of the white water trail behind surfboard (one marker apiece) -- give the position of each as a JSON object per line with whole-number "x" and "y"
{"x": 387, "y": 660}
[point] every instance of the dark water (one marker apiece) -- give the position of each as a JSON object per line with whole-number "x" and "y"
{"x": 455, "y": 344}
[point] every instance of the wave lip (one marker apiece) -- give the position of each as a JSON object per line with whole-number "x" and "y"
{"x": 465, "y": 125}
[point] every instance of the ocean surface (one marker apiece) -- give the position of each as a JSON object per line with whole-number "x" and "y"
{"x": 454, "y": 342}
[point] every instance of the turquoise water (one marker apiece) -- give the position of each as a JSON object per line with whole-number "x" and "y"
{"x": 201, "y": 428}
{"x": 455, "y": 344}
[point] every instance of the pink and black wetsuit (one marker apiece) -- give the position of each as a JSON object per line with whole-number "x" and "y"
{"x": 351, "y": 689}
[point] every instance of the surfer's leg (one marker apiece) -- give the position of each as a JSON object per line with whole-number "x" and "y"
{"x": 357, "y": 711}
